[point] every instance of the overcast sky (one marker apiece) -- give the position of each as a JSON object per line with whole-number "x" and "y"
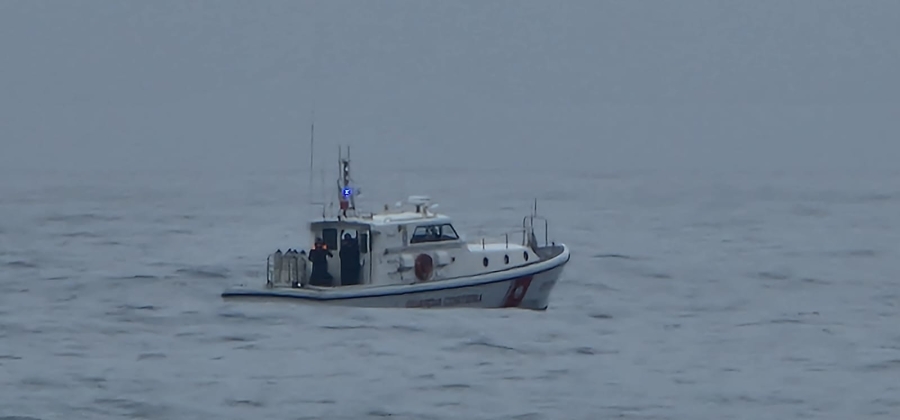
{"x": 612, "y": 84}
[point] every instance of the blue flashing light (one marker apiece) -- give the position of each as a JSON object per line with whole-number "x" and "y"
{"x": 346, "y": 191}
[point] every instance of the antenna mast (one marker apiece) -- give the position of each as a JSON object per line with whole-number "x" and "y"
{"x": 312, "y": 139}
{"x": 347, "y": 199}
{"x": 313, "y": 69}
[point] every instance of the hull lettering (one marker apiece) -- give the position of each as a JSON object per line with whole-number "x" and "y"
{"x": 447, "y": 301}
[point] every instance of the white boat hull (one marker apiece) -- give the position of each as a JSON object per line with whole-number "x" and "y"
{"x": 527, "y": 287}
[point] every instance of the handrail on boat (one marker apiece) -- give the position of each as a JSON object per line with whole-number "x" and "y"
{"x": 269, "y": 273}
{"x": 529, "y": 227}
{"x": 504, "y": 235}
{"x": 526, "y": 230}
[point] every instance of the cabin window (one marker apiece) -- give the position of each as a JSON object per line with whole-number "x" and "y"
{"x": 330, "y": 236}
{"x": 434, "y": 233}
{"x": 448, "y": 233}
{"x": 363, "y": 243}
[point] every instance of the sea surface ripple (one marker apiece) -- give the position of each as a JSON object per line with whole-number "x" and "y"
{"x": 687, "y": 297}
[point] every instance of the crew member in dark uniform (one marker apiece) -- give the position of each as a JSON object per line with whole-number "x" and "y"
{"x": 318, "y": 256}
{"x": 349, "y": 261}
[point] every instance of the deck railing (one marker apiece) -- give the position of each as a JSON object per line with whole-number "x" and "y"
{"x": 486, "y": 239}
{"x": 528, "y": 225}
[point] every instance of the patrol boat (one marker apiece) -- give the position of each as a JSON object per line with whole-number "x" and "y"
{"x": 410, "y": 257}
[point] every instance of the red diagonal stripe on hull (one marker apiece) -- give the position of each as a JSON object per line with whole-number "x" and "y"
{"x": 517, "y": 290}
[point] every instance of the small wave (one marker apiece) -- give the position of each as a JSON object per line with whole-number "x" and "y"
{"x": 179, "y": 232}
{"x": 892, "y": 364}
{"x": 552, "y": 374}
{"x": 347, "y": 327}
{"x": 880, "y": 197}
{"x": 188, "y": 334}
{"x": 232, "y": 315}
{"x": 529, "y": 416}
{"x": 448, "y": 387}
{"x": 21, "y": 264}
{"x": 812, "y": 280}
{"x": 69, "y": 354}
{"x": 66, "y": 298}
{"x": 238, "y": 338}
{"x": 39, "y": 383}
{"x": 887, "y": 403}
{"x": 93, "y": 381}
{"x": 134, "y": 277}
{"x": 244, "y": 317}
{"x": 139, "y": 308}
{"x": 79, "y": 234}
{"x": 772, "y": 275}
{"x": 597, "y": 286}
{"x": 246, "y": 403}
{"x": 151, "y": 356}
{"x": 619, "y": 256}
{"x": 776, "y": 321}
{"x": 785, "y": 321}
{"x": 128, "y": 309}
{"x": 135, "y": 409}
{"x": 322, "y": 401}
{"x": 201, "y": 273}
{"x": 406, "y": 328}
{"x": 853, "y": 253}
{"x": 246, "y": 347}
{"x": 81, "y": 218}
{"x": 484, "y": 343}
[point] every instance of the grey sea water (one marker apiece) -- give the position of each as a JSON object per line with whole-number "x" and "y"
{"x": 703, "y": 297}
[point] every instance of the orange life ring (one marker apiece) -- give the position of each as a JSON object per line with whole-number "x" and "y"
{"x": 424, "y": 267}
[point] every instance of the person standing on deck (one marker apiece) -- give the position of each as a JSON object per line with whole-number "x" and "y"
{"x": 318, "y": 256}
{"x": 349, "y": 254}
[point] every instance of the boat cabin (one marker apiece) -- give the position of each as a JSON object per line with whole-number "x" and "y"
{"x": 356, "y": 248}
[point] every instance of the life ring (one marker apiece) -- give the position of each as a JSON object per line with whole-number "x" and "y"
{"x": 424, "y": 267}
